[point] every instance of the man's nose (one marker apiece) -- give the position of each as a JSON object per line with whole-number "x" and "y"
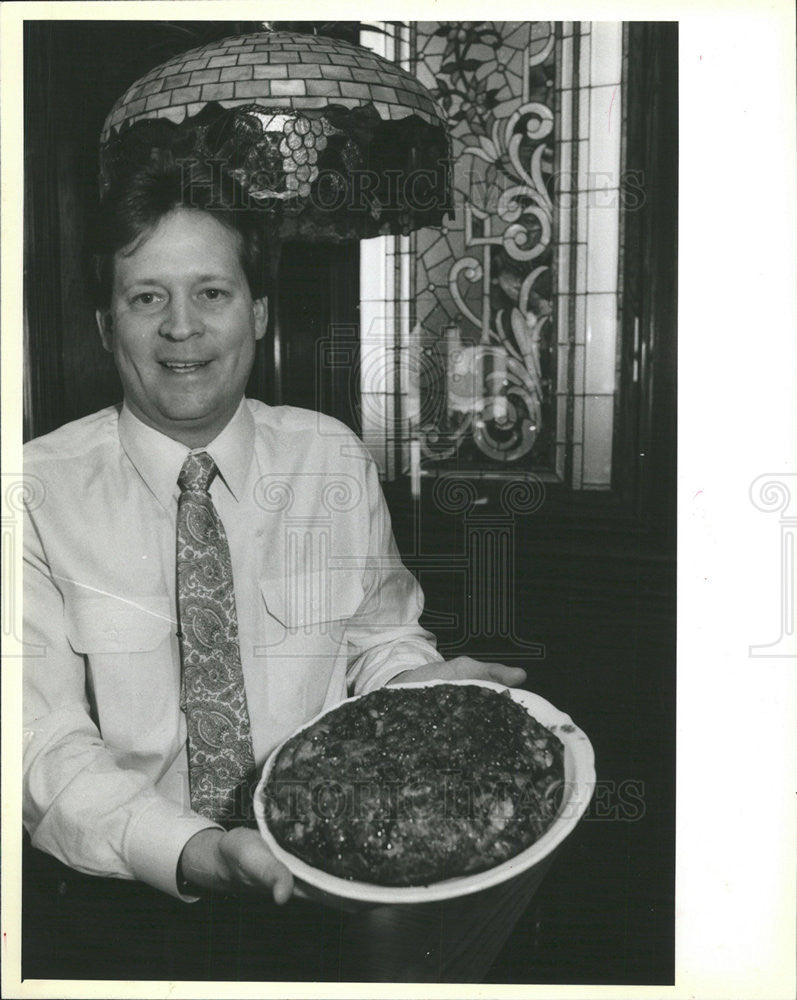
{"x": 182, "y": 319}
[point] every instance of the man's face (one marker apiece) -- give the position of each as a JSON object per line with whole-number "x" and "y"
{"x": 182, "y": 326}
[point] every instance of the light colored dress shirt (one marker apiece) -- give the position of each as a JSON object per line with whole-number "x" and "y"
{"x": 325, "y": 608}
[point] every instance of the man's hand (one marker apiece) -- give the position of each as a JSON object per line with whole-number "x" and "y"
{"x": 234, "y": 861}
{"x": 463, "y": 668}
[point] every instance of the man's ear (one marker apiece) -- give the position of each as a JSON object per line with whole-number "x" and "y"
{"x": 105, "y": 326}
{"x": 260, "y": 310}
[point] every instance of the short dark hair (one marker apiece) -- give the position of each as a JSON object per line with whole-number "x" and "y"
{"x": 138, "y": 201}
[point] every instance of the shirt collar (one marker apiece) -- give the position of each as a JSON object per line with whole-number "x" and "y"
{"x": 158, "y": 458}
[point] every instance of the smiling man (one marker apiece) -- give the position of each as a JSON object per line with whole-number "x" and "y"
{"x": 182, "y": 326}
{"x": 184, "y": 625}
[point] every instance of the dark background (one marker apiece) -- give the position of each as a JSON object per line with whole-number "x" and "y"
{"x": 592, "y": 578}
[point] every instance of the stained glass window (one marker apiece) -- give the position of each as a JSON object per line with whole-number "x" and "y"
{"x": 489, "y": 345}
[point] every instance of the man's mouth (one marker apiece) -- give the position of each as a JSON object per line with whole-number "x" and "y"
{"x": 184, "y": 367}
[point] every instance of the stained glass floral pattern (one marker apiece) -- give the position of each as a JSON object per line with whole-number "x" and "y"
{"x": 483, "y": 288}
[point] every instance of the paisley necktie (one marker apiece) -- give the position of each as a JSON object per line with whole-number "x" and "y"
{"x": 221, "y": 763}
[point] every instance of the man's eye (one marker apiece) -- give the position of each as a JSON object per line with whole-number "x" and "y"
{"x": 145, "y": 298}
{"x": 214, "y": 294}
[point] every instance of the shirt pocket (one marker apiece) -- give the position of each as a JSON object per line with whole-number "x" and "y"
{"x": 108, "y": 625}
{"x": 317, "y": 602}
{"x": 132, "y": 669}
{"x": 306, "y": 650}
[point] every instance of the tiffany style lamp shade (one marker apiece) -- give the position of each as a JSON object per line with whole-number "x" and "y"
{"x": 331, "y": 140}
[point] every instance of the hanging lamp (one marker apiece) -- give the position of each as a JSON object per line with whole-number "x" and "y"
{"x": 331, "y": 140}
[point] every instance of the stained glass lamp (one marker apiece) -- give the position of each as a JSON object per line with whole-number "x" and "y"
{"x": 331, "y": 140}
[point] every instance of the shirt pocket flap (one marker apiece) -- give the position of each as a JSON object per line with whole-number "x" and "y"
{"x": 311, "y": 598}
{"x": 116, "y": 625}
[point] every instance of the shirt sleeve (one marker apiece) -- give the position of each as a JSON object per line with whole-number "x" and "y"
{"x": 78, "y": 804}
{"x": 385, "y": 637}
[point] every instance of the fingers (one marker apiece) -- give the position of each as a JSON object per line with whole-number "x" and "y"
{"x": 252, "y": 865}
{"x": 282, "y": 886}
{"x": 466, "y": 668}
{"x": 511, "y": 676}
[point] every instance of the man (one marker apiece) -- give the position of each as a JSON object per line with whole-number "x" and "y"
{"x": 204, "y": 574}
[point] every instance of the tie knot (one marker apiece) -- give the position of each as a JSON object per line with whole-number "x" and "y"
{"x": 197, "y": 472}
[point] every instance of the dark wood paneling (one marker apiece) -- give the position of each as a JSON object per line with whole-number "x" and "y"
{"x": 317, "y": 306}
{"x": 647, "y": 426}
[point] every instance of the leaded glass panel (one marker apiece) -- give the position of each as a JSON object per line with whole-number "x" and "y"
{"x": 483, "y": 291}
{"x": 503, "y": 323}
